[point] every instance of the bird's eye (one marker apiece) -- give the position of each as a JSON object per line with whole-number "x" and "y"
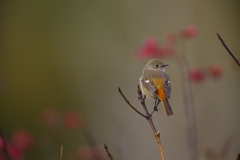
{"x": 156, "y": 65}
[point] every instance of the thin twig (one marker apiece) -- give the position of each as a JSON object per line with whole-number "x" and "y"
{"x": 224, "y": 44}
{"x": 120, "y": 91}
{"x": 5, "y": 150}
{"x": 61, "y": 152}
{"x": 108, "y": 153}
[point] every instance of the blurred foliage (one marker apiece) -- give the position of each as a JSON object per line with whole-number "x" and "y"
{"x": 72, "y": 55}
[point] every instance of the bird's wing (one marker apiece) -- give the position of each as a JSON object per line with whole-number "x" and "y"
{"x": 149, "y": 86}
{"x": 167, "y": 86}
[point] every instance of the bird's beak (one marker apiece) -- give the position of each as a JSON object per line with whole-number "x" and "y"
{"x": 165, "y": 65}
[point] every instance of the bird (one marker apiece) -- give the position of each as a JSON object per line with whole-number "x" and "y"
{"x": 155, "y": 84}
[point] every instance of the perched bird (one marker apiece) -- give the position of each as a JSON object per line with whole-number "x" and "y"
{"x": 155, "y": 84}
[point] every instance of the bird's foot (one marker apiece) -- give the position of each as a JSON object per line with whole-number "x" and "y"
{"x": 155, "y": 109}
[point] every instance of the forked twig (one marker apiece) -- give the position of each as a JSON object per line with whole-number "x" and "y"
{"x": 120, "y": 91}
{"x": 224, "y": 44}
{"x": 148, "y": 116}
{"x": 108, "y": 153}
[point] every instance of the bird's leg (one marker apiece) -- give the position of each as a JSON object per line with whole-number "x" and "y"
{"x": 156, "y": 105}
{"x": 144, "y": 97}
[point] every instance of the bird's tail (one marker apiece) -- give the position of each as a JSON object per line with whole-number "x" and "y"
{"x": 167, "y": 108}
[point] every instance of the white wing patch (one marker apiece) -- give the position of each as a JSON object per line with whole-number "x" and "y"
{"x": 147, "y": 81}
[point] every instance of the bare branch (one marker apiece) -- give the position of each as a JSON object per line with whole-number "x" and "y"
{"x": 108, "y": 153}
{"x": 120, "y": 91}
{"x": 148, "y": 116}
{"x": 224, "y": 44}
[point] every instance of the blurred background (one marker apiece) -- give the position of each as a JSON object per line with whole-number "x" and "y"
{"x": 62, "y": 61}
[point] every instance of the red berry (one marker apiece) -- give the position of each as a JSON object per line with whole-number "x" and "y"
{"x": 99, "y": 152}
{"x": 73, "y": 120}
{"x": 85, "y": 153}
{"x": 1, "y": 143}
{"x": 2, "y": 157}
{"x": 196, "y": 75}
{"x": 190, "y": 32}
{"x": 15, "y": 153}
{"x": 50, "y": 117}
{"x": 216, "y": 71}
{"x": 149, "y": 49}
{"x": 23, "y": 140}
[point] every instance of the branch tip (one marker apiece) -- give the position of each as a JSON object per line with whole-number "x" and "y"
{"x": 127, "y": 101}
{"x": 108, "y": 153}
{"x": 226, "y": 47}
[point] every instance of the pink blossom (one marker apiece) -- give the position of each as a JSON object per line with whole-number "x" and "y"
{"x": 1, "y": 143}
{"x": 196, "y": 75}
{"x": 149, "y": 49}
{"x": 99, "y": 152}
{"x": 216, "y": 71}
{"x": 73, "y": 120}
{"x": 50, "y": 117}
{"x": 190, "y": 32}
{"x": 15, "y": 153}
{"x": 85, "y": 152}
{"x": 23, "y": 140}
{"x": 2, "y": 157}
